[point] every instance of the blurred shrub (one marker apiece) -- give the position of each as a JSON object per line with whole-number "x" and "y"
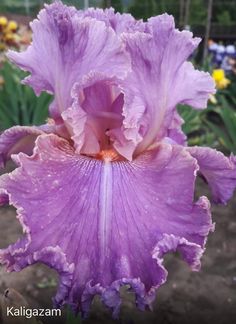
{"x": 116, "y": 4}
{"x": 224, "y": 18}
{"x": 31, "y": 7}
{"x": 197, "y": 131}
{"x": 71, "y": 318}
{"x": 225, "y": 128}
{"x": 18, "y": 103}
{"x": 214, "y": 126}
{"x": 23, "y": 7}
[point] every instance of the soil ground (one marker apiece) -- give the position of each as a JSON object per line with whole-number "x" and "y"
{"x": 204, "y": 297}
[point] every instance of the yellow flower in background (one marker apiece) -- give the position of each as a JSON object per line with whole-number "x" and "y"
{"x": 8, "y": 33}
{"x": 220, "y": 79}
{"x": 12, "y": 35}
{"x": 12, "y": 26}
{"x": 9, "y": 37}
{"x": 3, "y": 21}
{"x": 2, "y": 46}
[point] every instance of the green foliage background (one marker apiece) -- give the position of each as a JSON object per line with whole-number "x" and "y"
{"x": 18, "y": 103}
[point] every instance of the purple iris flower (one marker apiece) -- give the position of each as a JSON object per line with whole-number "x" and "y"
{"x": 106, "y": 188}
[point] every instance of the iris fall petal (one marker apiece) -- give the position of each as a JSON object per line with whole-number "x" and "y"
{"x": 218, "y": 170}
{"x": 103, "y": 223}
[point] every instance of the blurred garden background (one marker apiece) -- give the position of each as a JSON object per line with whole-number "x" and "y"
{"x": 206, "y": 297}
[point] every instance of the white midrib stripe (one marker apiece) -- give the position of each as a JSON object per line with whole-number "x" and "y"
{"x": 105, "y": 209}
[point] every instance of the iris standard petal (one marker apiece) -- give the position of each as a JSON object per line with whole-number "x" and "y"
{"x": 96, "y": 110}
{"x": 218, "y": 170}
{"x": 105, "y": 223}
{"x": 160, "y": 79}
{"x": 119, "y": 22}
{"x": 66, "y": 47}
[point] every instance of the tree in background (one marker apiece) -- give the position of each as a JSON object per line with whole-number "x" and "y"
{"x": 224, "y": 18}
{"x": 208, "y": 27}
{"x": 143, "y": 9}
{"x": 197, "y": 12}
{"x": 184, "y": 11}
{"x": 223, "y": 11}
{"x": 116, "y": 4}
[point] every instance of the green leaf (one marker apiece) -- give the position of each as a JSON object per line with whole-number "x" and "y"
{"x": 71, "y": 318}
{"x": 18, "y": 103}
{"x": 228, "y": 116}
{"x": 223, "y": 137}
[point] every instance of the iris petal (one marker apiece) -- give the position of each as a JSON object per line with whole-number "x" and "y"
{"x": 102, "y": 224}
{"x": 159, "y": 81}
{"x": 119, "y": 22}
{"x": 175, "y": 133}
{"x": 77, "y": 45}
{"x": 107, "y": 187}
{"x": 218, "y": 170}
{"x": 96, "y": 109}
{"x": 20, "y": 139}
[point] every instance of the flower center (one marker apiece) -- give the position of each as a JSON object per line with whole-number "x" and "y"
{"x": 108, "y": 156}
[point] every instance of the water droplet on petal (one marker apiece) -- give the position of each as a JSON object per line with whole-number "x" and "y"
{"x": 55, "y": 183}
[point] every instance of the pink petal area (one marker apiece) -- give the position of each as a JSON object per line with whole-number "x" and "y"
{"x": 218, "y": 170}
{"x": 20, "y": 139}
{"x": 96, "y": 109}
{"x": 104, "y": 224}
{"x": 160, "y": 79}
{"x": 77, "y": 45}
